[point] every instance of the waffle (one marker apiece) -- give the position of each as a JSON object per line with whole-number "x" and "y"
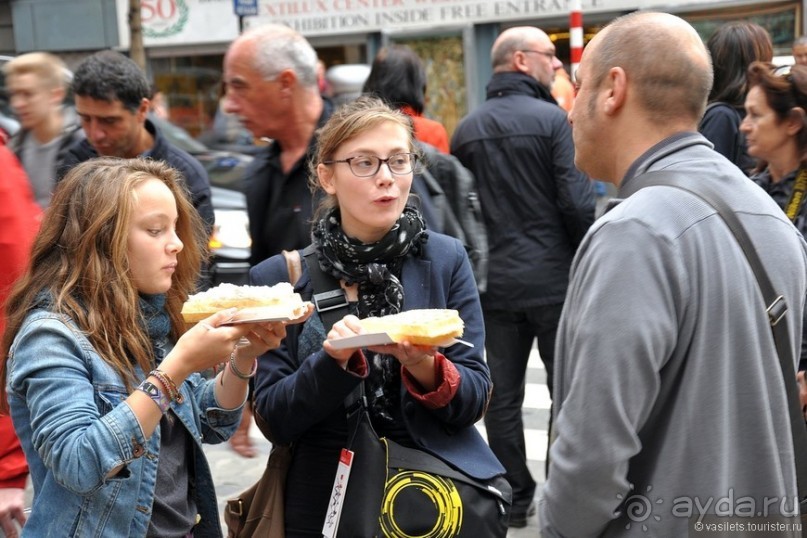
{"x": 278, "y": 301}
{"x": 426, "y": 327}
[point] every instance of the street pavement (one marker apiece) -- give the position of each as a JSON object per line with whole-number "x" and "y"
{"x": 233, "y": 474}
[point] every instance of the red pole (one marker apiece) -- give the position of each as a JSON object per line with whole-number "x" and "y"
{"x": 575, "y": 37}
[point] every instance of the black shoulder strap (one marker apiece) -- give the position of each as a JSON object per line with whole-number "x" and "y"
{"x": 332, "y": 305}
{"x": 329, "y": 298}
{"x": 776, "y": 309}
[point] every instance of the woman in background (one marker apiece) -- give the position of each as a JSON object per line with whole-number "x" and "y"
{"x": 398, "y": 77}
{"x": 775, "y": 127}
{"x": 733, "y": 46}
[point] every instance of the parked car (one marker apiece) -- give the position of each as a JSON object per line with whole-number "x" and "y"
{"x": 230, "y": 243}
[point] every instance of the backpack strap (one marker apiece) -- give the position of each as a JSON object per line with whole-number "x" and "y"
{"x": 329, "y": 298}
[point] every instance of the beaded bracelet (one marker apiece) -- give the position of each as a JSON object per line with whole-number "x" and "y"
{"x": 156, "y": 395}
{"x": 169, "y": 385}
{"x": 238, "y": 373}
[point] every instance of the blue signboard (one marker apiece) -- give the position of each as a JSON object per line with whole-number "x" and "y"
{"x": 245, "y": 8}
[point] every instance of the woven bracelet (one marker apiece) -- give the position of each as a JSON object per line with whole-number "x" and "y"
{"x": 156, "y": 395}
{"x": 238, "y": 373}
{"x": 170, "y": 386}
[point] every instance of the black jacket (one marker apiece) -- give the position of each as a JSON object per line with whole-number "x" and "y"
{"x": 721, "y": 126}
{"x": 537, "y": 206}
{"x": 280, "y": 206}
{"x": 193, "y": 172}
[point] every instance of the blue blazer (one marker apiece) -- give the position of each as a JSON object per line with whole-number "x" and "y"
{"x": 296, "y": 395}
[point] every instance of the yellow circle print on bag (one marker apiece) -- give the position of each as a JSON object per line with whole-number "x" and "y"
{"x": 433, "y": 499}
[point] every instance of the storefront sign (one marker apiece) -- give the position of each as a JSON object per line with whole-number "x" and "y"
{"x": 320, "y": 17}
{"x": 182, "y": 22}
{"x": 187, "y": 22}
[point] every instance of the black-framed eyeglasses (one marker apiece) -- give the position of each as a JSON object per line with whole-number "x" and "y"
{"x": 550, "y": 55}
{"x": 369, "y": 165}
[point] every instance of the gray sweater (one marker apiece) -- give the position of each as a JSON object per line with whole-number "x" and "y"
{"x": 668, "y": 388}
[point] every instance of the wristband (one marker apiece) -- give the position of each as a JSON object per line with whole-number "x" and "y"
{"x": 238, "y": 373}
{"x": 156, "y": 395}
{"x": 173, "y": 392}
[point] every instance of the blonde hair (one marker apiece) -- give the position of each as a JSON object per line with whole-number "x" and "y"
{"x": 80, "y": 257}
{"x": 50, "y": 69}
{"x": 348, "y": 122}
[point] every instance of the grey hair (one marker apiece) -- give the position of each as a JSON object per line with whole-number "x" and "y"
{"x": 278, "y": 47}
{"x": 511, "y": 40}
{"x": 801, "y": 40}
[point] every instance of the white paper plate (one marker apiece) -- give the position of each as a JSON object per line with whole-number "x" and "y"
{"x": 259, "y": 314}
{"x": 380, "y": 339}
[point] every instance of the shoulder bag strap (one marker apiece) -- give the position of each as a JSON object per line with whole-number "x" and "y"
{"x": 332, "y": 305}
{"x": 776, "y": 309}
{"x": 329, "y": 298}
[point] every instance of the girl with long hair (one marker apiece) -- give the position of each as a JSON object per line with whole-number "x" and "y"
{"x": 101, "y": 373}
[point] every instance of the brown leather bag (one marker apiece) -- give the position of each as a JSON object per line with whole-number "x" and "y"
{"x": 258, "y": 511}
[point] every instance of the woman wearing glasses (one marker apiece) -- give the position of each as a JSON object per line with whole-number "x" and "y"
{"x": 367, "y": 236}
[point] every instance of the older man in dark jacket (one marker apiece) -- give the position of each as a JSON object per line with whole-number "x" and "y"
{"x": 537, "y": 208}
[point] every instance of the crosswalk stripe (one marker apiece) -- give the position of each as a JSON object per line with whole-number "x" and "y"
{"x": 536, "y": 396}
{"x": 535, "y": 440}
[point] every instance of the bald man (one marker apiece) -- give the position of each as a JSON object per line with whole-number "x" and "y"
{"x": 537, "y": 207}
{"x": 669, "y": 402}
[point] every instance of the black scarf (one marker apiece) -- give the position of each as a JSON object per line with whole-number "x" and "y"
{"x": 376, "y": 267}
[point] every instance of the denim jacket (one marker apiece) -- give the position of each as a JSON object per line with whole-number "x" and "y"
{"x": 67, "y": 407}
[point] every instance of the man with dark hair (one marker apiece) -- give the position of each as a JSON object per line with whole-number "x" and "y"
{"x": 537, "y": 207}
{"x": 112, "y": 101}
{"x": 670, "y": 403}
